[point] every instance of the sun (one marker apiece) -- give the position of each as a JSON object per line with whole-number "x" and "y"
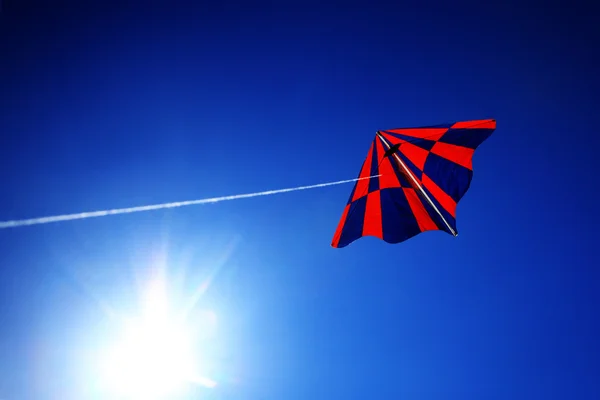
{"x": 154, "y": 357}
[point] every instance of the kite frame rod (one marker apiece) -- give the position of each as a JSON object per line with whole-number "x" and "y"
{"x": 418, "y": 185}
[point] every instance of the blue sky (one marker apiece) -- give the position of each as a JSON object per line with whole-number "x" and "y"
{"x": 106, "y": 106}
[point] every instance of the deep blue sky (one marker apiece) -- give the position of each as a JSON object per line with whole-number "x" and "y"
{"x": 107, "y": 106}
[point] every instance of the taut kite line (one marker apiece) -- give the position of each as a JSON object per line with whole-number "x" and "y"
{"x": 410, "y": 182}
{"x": 129, "y": 210}
{"x": 420, "y": 175}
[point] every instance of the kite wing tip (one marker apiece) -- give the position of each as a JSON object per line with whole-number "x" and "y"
{"x": 490, "y": 123}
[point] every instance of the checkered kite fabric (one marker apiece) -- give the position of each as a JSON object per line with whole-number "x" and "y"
{"x": 418, "y": 176}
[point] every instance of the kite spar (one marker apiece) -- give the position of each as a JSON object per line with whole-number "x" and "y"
{"x": 413, "y": 179}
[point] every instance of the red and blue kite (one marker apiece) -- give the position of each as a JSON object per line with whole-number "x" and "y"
{"x": 411, "y": 182}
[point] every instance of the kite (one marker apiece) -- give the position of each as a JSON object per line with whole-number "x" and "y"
{"x": 414, "y": 179}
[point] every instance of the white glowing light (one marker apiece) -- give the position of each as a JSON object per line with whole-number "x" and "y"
{"x": 155, "y": 357}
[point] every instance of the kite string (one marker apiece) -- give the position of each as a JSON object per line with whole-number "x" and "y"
{"x": 67, "y": 217}
{"x": 128, "y": 210}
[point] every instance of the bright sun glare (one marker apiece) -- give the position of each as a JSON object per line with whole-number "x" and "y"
{"x": 155, "y": 357}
